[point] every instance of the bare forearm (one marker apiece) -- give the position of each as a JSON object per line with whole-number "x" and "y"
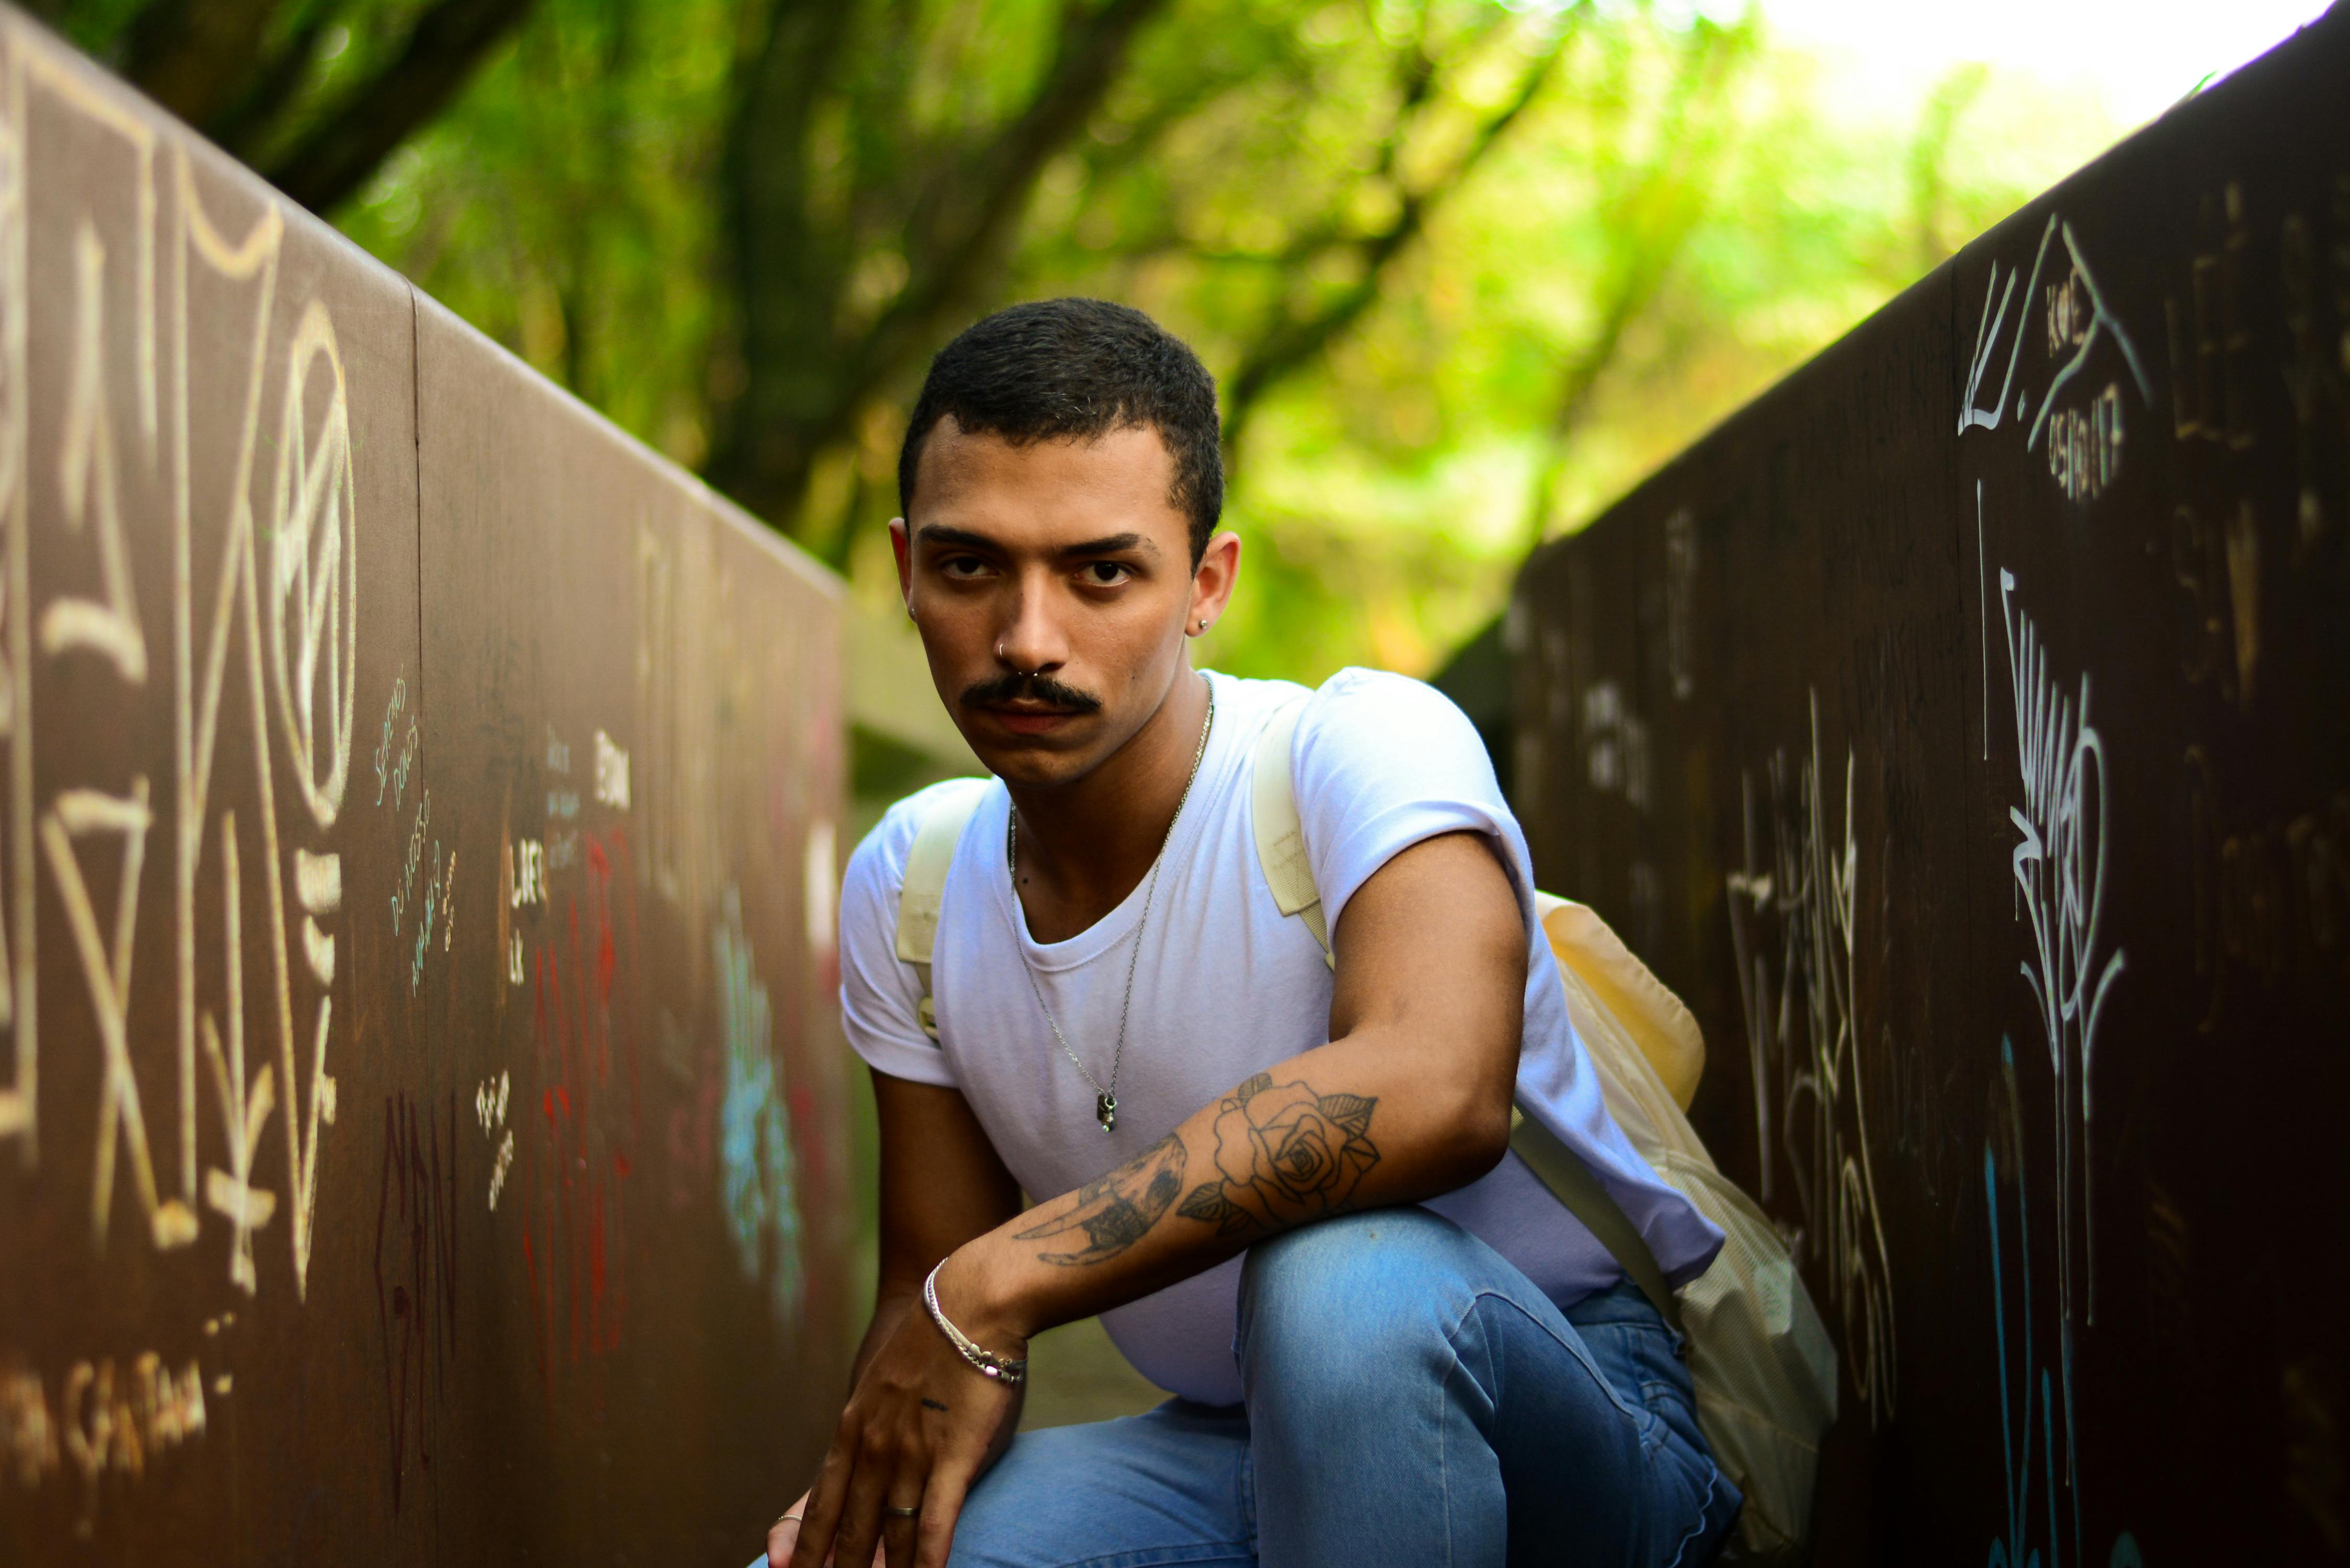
{"x": 1356, "y": 1124}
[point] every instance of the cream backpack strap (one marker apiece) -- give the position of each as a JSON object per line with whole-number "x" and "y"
{"x": 1280, "y": 834}
{"x": 1571, "y": 1181}
{"x": 925, "y": 885}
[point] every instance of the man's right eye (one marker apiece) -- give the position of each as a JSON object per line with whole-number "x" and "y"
{"x": 962, "y": 567}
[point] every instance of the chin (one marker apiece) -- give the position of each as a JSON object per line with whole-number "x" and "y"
{"x": 1033, "y": 766}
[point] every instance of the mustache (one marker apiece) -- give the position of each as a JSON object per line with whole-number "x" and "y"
{"x": 1029, "y": 687}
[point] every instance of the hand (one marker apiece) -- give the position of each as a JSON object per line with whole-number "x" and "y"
{"x": 922, "y": 1424}
{"x": 784, "y": 1533}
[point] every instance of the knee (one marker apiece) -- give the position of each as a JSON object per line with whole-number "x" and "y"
{"x": 1366, "y": 1295}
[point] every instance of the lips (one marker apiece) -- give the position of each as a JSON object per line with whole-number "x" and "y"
{"x": 1028, "y": 721}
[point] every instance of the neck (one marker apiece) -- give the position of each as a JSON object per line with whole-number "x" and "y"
{"x": 1085, "y": 844}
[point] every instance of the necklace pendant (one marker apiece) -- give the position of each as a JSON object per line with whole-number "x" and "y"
{"x": 1105, "y": 1110}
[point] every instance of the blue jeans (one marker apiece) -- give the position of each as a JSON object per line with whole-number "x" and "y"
{"x": 1410, "y": 1398}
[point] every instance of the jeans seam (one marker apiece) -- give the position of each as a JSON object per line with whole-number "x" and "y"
{"x": 1200, "y": 1552}
{"x": 1648, "y": 1451}
{"x": 1582, "y": 1356}
{"x": 1696, "y": 1528}
{"x": 1443, "y": 1456}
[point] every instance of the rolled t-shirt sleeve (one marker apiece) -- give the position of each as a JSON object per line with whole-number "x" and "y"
{"x": 1382, "y": 761}
{"x": 879, "y": 991}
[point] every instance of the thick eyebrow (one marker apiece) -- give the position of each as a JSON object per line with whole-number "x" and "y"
{"x": 938, "y": 534}
{"x": 1108, "y": 545}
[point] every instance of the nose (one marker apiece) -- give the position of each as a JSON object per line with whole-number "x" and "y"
{"x": 1032, "y": 640}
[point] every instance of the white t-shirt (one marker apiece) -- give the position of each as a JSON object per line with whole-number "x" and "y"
{"x": 1227, "y": 987}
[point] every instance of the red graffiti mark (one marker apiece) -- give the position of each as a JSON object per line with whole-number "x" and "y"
{"x": 610, "y": 975}
{"x": 574, "y": 1199}
{"x": 600, "y": 893}
{"x": 415, "y": 1274}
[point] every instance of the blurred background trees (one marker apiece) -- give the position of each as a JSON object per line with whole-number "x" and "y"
{"x": 1465, "y": 269}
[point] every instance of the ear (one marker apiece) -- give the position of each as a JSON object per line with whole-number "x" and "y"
{"x": 1212, "y": 581}
{"x": 902, "y": 546}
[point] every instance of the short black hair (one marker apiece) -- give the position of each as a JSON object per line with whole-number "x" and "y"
{"x": 1078, "y": 367}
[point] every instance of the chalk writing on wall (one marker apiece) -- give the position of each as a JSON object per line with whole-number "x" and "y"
{"x": 2024, "y": 1383}
{"x": 2085, "y": 447}
{"x": 2059, "y": 866}
{"x": 281, "y": 619}
{"x": 393, "y": 764}
{"x": 1791, "y": 921}
{"x": 107, "y": 1422}
{"x": 489, "y": 1110}
{"x": 611, "y": 772}
{"x": 234, "y": 831}
{"x": 1615, "y": 744}
{"x": 2209, "y": 340}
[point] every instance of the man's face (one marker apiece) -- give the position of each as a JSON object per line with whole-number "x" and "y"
{"x": 1053, "y": 586}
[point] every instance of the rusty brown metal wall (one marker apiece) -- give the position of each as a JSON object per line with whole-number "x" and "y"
{"x": 421, "y": 1129}
{"x": 1961, "y": 728}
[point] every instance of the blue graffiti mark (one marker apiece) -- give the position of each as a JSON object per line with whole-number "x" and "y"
{"x": 2015, "y": 1551}
{"x": 755, "y": 1133}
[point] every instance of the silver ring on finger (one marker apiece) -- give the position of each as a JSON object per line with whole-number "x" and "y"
{"x": 894, "y": 1512}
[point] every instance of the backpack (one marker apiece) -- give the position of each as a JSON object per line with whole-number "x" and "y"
{"x": 1760, "y": 1358}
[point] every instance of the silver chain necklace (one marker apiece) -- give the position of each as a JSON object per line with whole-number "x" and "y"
{"x": 1106, "y": 1099}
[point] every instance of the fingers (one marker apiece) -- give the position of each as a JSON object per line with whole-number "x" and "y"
{"x": 784, "y": 1533}
{"x": 859, "y": 1528}
{"x": 942, "y": 1506}
{"x": 813, "y": 1547}
{"x": 782, "y": 1536}
{"x": 899, "y": 1519}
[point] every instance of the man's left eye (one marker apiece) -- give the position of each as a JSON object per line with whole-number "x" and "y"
{"x": 1104, "y": 574}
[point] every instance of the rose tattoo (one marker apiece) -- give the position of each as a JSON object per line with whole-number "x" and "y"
{"x": 1284, "y": 1155}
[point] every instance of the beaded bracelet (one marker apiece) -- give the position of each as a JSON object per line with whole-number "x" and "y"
{"x": 998, "y": 1366}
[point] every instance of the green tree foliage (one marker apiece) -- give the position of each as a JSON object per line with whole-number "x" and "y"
{"x": 1465, "y": 268}
{"x": 314, "y": 93}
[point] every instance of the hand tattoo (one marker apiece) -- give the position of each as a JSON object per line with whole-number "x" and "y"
{"x": 1284, "y": 1155}
{"x": 931, "y": 1404}
{"x": 1118, "y": 1209}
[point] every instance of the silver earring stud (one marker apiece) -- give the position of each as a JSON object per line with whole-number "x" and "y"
{"x": 1204, "y": 626}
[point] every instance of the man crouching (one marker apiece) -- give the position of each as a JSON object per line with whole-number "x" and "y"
{"x": 1282, "y": 1177}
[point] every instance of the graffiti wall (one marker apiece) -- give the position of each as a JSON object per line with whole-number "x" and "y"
{"x": 1963, "y": 728}
{"x": 419, "y": 1093}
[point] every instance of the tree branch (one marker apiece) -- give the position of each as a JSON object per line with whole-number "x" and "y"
{"x": 1292, "y": 341}
{"x": 194, "y": 57}
{"x": 242, "y": 125}
{"x": 1654, "y": 221}
{"x": 806, "y": 380}
{"x": 789, "y": 272}
{"x": 346, "y": 148}
{"x": 961, "y": 219}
